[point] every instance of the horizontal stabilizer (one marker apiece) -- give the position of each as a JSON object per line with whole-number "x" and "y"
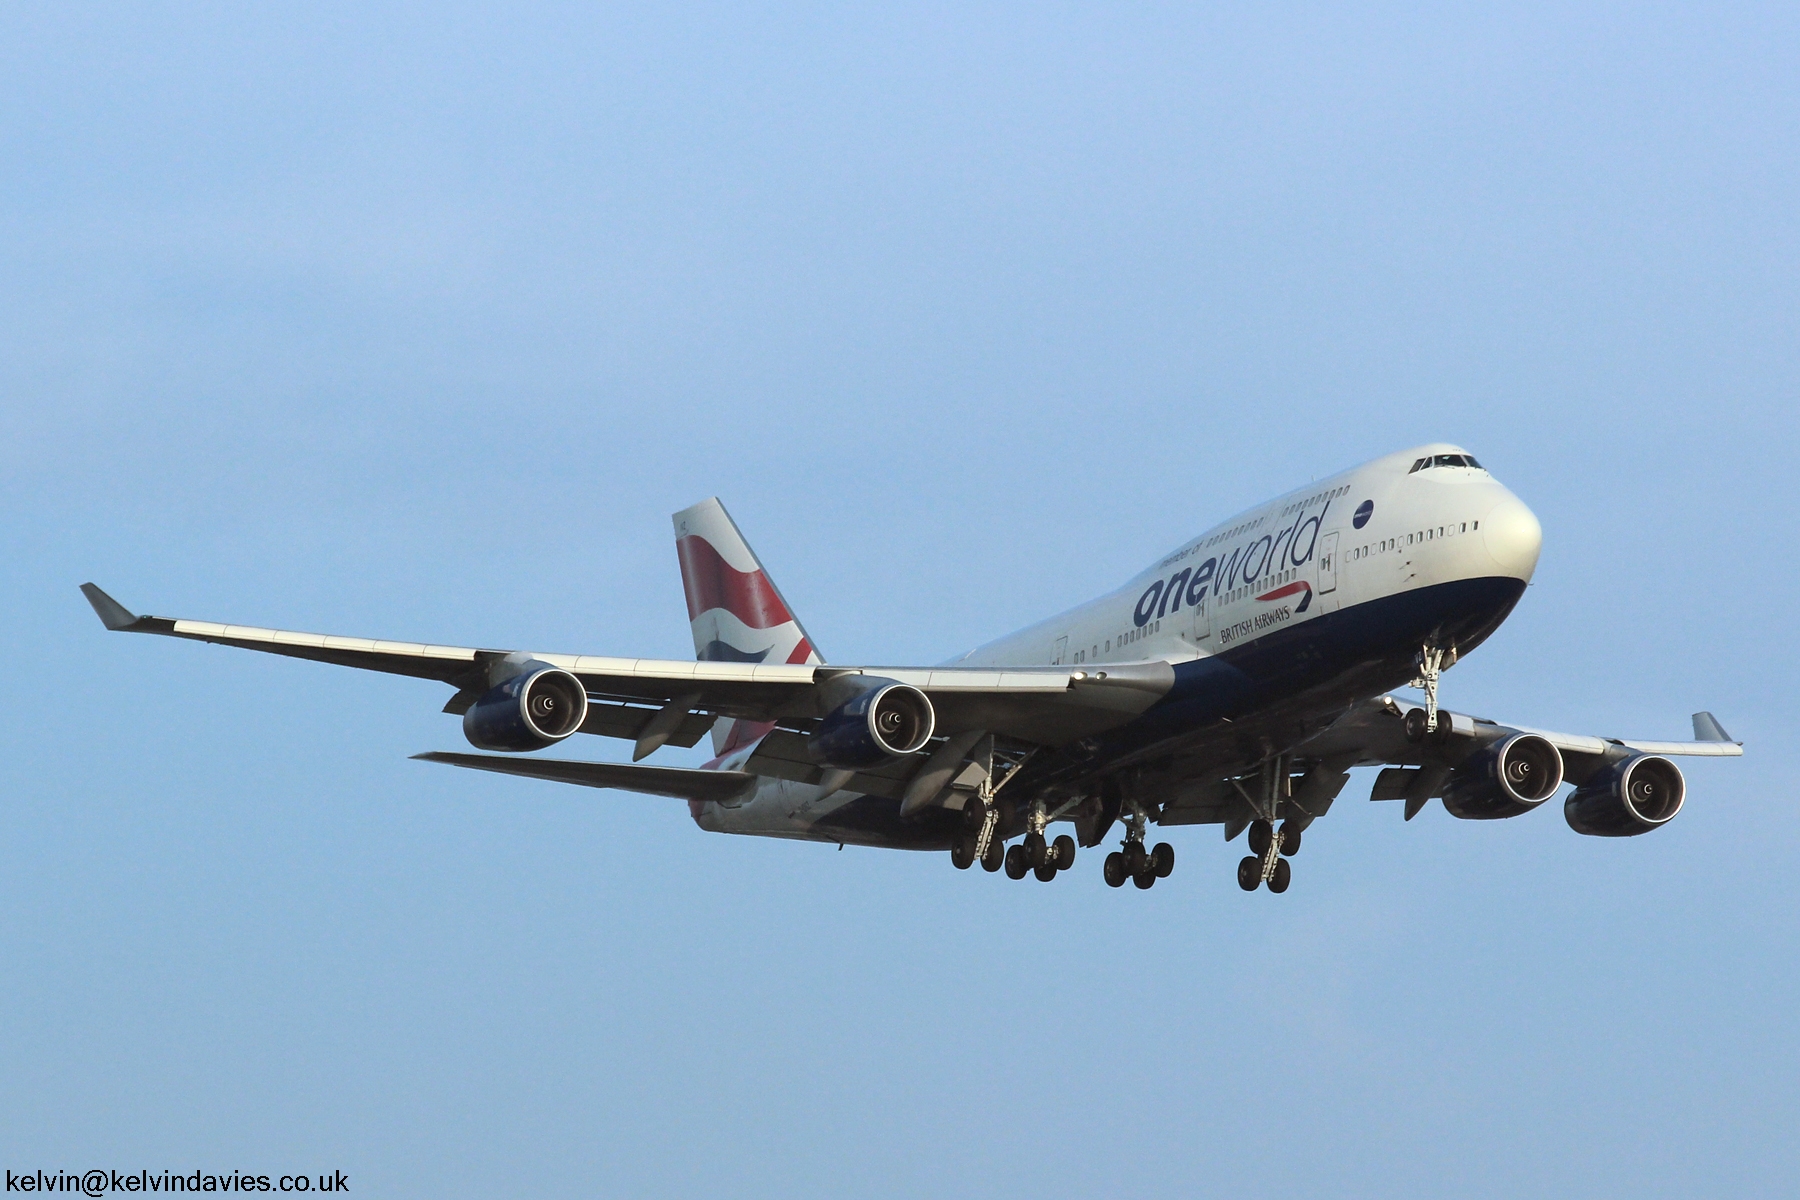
{"x": 681, "y": 782}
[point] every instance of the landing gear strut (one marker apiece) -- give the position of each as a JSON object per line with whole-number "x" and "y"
{"x": 1043, "y": 856}
{"x": 985, "y": 819}
{"x": 1132, "y": 861}
{"x": 1432, "y": 663}
{"x": 1265, "y": 862}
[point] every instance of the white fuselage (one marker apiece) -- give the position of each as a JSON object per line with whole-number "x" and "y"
{"x": 1368, "y": 535}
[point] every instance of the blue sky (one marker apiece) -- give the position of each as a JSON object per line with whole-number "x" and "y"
{"x": 419, "y": 321}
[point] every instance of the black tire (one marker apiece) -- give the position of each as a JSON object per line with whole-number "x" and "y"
{"x": 1135, "y": 858}
{"x": 995, "y": 857}
{"x": 1037, "y": 850}
{"x": 962, "y": 851}
{"x": 1260, "y": 833}
{"x": 1009, "y": 818}
{"x": 1250, "y": 873}
{"x": 973, "y": 815}
{"x": 1414, "y": 725}
{"x": 1045, "y": 873}
{"x": 1115, "y": 871}
{"x": 1278, "y": 882}
{"x": 1290, "y": 838}
{"x": 1017, "y": 862}
{"x": 1145, "y": 879}
{"x": 1065, "y": 851}
{"x": 1162, "y": 860}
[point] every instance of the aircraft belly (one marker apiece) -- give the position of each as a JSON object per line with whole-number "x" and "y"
{"x": 784, "y": 809}
{"x": 1297, "y": 676}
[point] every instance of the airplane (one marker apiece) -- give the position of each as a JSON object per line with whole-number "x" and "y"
{"x": 1235, "y": 682}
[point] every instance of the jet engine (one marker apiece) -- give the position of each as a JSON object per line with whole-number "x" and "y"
{"x": 531, "y": 710}
{"x": 883, "y": 720}
{"x": 1627, "y": 798}
{"x": 1508, "y": 778}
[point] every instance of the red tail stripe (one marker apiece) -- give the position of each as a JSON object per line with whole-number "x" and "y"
{"x": 711, "y": 582}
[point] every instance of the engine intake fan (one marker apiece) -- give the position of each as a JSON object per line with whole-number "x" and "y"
{"x": 531, "y": 710}
{"x": 1510, "y": 777}
{"x": 1627, "y": 798}
{"x": 883, "y": 720}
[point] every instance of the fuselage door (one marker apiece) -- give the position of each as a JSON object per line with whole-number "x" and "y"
{"x": 1328, "y": 563}
{"x": 1203, "y": 621}
{"x": 1062, "y": 651}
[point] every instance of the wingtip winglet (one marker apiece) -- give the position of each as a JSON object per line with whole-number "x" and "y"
{"x": 112, "y": 614}
{"x": 1708, "y": 729}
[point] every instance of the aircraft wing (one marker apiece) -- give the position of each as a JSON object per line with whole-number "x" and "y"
{"x": 681, "y": 782}
{"x": 1045, "y": 705}
{"x": 1373, "y": 734}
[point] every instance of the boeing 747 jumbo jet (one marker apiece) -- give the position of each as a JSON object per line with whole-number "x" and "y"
{"x": 1233, "y": 682}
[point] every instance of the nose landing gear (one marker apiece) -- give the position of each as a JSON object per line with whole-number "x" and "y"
{"x": 1433, "y": 662}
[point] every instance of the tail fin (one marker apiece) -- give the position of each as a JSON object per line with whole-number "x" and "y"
{"x": 737, "y": 612}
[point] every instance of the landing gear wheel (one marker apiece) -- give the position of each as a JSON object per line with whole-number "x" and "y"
{"x": 1250, "y": 873}
{"x": 1115, "y": 870}
{"x": 1036, "y": 849}
{"x": 1045, "y": 873}
{"x": 1065, "y": 851}
{"x": 1260, "y": 833}
{"x": 973, "y": 815}
{"x": 1279, "y": 880}
{"x": 1017, "y": 862}
{"x": 1415, "y": 725}
{"x": 962, "y": 851}
{"x": 995, "y": 856}
{"x": 1008, "y": 824}
{"x": 1162, "y": 860}
{"x": 1135, "y": 858}
{"x": 1145, "y": 879}
{"x": 1290, "y": 838}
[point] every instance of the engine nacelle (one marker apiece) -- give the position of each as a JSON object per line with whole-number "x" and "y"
{"x": 1627, "y": 798}
{"x": 1508, "y": 778}
{"x": 882, "y": 721}
{"x": 531, "y": 710}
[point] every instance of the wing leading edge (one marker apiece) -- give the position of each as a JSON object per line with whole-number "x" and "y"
{"x": 1041, "y": 704}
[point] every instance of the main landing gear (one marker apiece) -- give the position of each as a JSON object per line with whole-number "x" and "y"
{"x": 1037, "y": 854}
{"x": 1039, "y": 857}
{"x": 979, "y": 841}
{"x": 1133, "y": 862}
{"x": 1264, "y": 863}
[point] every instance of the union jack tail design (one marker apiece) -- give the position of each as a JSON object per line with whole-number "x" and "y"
{"x": 737, "y": 612}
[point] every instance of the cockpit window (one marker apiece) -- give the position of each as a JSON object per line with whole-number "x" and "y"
{"x": 1445, "y": 460}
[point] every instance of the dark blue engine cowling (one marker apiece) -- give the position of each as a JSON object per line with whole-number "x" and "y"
{"x": 531, "y": 710}
{"x": 1627, "y": 798}
{"x": 883, "y": 720}
{"x": 1508, "y": 778}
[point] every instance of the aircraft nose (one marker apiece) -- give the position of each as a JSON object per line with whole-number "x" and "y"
{"x": 1513, "y": 537}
